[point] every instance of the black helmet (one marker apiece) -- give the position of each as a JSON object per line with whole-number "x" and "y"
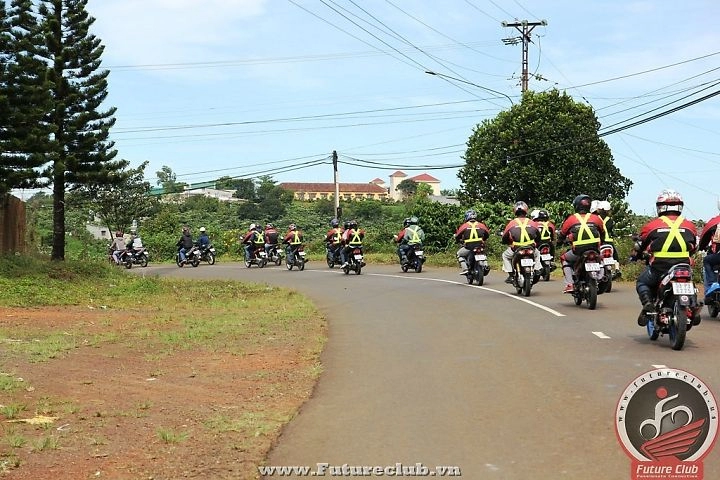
{"x": 543, "y": 215}
{"x": 581, "y": 204}
{"x": 346, "y": 225}
{"x": 470, "y": 215}
{"x": 353, "y": 224}
{"x": 406, "y": 222}
{"x": 334, "y": 223}
{"x": 520, "y": 209}
{"x": 414, "y": 220}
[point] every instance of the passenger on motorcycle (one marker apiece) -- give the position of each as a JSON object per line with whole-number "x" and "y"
{"x": 520, "y": 232}
{"x": 410, "y": 236}
{"x": 333, "y": 237}
{"x": 203, "y": 240}
{"x": 352, "y": 237}
{"x": 470, "y": 234}
{"x": 249, "y": 240}
{"x": 710, "y": 242}
{"x": 271, "y": 236}
{"x": 669, "y": 239}
{"x": 293, "y": 240}
{"x": 185, "y": 243}
{"x": 546, "y": 228}
{"x": 583, "y": 231}
{"x": 602, "y": 209}
{"x": 117, "y": 247}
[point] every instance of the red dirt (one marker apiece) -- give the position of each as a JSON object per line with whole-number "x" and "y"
{"x": 113, "y": 400}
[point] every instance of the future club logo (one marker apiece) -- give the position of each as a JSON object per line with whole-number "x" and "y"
{"x": 667, "y": 422}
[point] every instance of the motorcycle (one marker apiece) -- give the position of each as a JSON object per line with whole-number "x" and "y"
{"x": 296, "y": 258}
{"x": 355, "y": 261}
{"x": 276, "y": 255}
{"x": 207, "y": 254}
{"x": 588, "y": 271}
{"x": 192, "y": 257}
{"x": 415, "y": 258}
{"x": 608, "y": 262}
{"x": 140, "y": 256}
{"x": 332, "y": 255}
{"x": 546, "y": 260}
{"x": 524, "y": 274}
{"x": 126, "y": 258}
{"x": 712, "y": 295}
{"x": 676, "y": 306}
{"x": 478, "y": 266}
{"x": 258, "y": 258}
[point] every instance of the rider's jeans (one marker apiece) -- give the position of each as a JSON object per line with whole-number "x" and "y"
{"x": 710, "y": 261}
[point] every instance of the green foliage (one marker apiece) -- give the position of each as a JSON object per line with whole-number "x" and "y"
{"x": 545, "y": 149}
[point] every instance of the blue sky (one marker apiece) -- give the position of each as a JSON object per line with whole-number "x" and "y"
{"x": 239, "y": 87}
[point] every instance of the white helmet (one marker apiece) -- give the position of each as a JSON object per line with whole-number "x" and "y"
{"x": 535, "y": 214}
{"x": 594, "y": 205}
{"x": 252, "y": 226}
{"x": 202, "y": 229}
{"x": 604, "y": 205}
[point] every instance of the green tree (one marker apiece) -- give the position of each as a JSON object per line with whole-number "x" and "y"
{"x": 81, "y": 153}
{"x": 408, "y": 187}
{"x": 167, "y": 179}
{"x": 244, "y": 187}
{"x": 24, "y": 98}
{"x": 545, "y": 149}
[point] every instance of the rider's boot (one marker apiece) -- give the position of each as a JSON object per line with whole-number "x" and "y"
{"x": 569, "y": 283}
{"x": 463, "y": 266}
{"x": 647, "y": 307}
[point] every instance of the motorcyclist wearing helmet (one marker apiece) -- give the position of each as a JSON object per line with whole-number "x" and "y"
{"x": 710, "y": 242}
{"x": 248, "y": 240}
{"x": 333, "y": 238}
{"x": 603, "y": 209}
{"x": 185, "y": 244}
{"x": 520, "y": 232}
{"x": 546, "y": 227}
{"x": 293, "y": 240}
{"x": 582, "y": 231}
{"x": 352, "y": 237}
{"x": 669, "y": 240}
{"x": 117, "y": 247}
{"x": 203, "y": 240}
{"x": 409, "y": 237}
{"x": 470, "y": 234}
{"x": 271, "y": 237}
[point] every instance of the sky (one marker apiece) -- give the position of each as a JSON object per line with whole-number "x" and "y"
{"x": 243, "y": 88}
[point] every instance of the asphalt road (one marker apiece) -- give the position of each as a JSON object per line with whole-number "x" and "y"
{"x": 423, "y": 368}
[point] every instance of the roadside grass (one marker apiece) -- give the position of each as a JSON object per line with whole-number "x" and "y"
{"x": 153, "y": 319}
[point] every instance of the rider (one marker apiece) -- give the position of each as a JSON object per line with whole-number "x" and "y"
{"x": 117, "y": 247}
{"x": 669, "y": 239}
{"x": 185, "y": 243}
{"x": 583, "y": 231}
{"x": 520, "y": 232}
{"x": 602, "y": 209}
{"x": 352, "y": 237}
{"x": 546, "y": 228}
{"x": 333, "y": 238}
{"x": 203, "y": 240}
{"x": 710, "y": 241}
{"x": 471, "y": 234}
{"x": 249, "y": 241}
{"x": 409, "y": 237}
{"x": 271, "y": 236}
{"x": 398, "y": 238}
{"x": 293, "y": 239}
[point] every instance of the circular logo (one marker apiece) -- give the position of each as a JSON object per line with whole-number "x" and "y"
{"x": 667, "y": 415}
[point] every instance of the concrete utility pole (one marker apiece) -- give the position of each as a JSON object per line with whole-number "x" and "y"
{"x": 524, "y": 27}
{"x": 338, "y": 212}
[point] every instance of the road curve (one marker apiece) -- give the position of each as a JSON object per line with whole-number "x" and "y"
{"x": 424, "y": 369}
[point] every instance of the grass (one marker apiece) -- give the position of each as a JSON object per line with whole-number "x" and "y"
{"x": 171, "y": 436}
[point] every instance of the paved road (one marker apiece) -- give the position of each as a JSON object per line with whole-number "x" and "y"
{"x": 422, "y": 368}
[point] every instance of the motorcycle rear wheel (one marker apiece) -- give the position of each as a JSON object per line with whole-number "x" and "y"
{"x": 301, "y": 265}
{"x": 546, "y": 274}
{"x": 678, "y": 326}
{"x": 404, "y": 267}
{"x": 144, "y": 261}
{"x": 288, "y": 265}
{"x": 592, "y": 293}
{"x": 527, "y": 285}
{"x": 578, "y": 294}
{"x": 478, "y": 274}
{"x": 358, "y": 269}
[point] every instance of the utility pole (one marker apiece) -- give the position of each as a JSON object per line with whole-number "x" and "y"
{"x": 338, "y": 211}
{"x": 524, "y": 27}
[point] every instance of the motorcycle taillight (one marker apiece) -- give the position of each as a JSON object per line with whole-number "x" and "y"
{"x": 592, "y": 256}
{"x": 526, "y": 251}
{"x": 606, "y": 252}
{"x": 545, "y": 250}
{"x": 682, "y": 275}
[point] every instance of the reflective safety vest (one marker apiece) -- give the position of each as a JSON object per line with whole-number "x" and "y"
{"x": 474, "y": 232}
{"x": 296, "y": 238}
{"x": 355, "y": 238}
{"x": 585, "y": 235}
{"x": 545, "y": 233}
{"x": 415, "y": 238}
{"x": 337, "y": 235}
{"x": 673, "y": 234}
{"x": 525, "y": 239}
{"x": 259, "y": 238}
{"x": 607, "y": 238}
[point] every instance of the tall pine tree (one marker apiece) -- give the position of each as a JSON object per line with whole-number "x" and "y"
{"x": 26, "y": 133}
{"x": 82, "y": 154}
